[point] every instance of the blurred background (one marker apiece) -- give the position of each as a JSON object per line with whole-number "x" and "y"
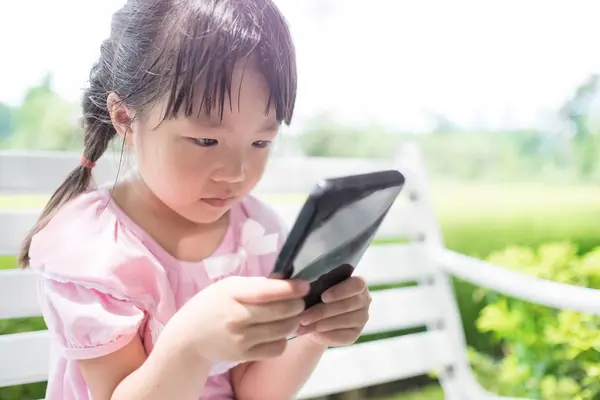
{"x": 503, "y": 98}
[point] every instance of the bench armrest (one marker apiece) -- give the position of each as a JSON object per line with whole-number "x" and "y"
{"x": 518, "y": 285}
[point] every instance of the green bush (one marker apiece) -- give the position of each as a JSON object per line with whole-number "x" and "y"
{"x": 548, "y": 353}
{"x": 478, "y": 219}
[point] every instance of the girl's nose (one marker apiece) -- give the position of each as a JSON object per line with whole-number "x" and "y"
{"x": 233, "y": 170}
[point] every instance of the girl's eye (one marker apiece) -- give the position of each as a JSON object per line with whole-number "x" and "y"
{"x": 261, "y": 144}
{"x": 203, "y": 142}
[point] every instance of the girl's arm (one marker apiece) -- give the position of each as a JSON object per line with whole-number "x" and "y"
{"x": 171, "y": 371}
{"x": 281, "y": 377}
{"x": 249, "y": 319}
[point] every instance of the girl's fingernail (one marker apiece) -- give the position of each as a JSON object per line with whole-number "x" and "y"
{"x": 305, "y": 320}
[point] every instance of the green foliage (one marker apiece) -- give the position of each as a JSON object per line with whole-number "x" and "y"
{"x": 324, "y": 137}
{"x": 432, "y": 392}
{"x": 472, "y": 156}
{"x": 33, "y": 391}
{"x": 478, "y": 219}
{"x": 5, "y": 120}
{"x": 44, "y": 121}
{"x": 564, "y": 153}
{"x": 548, "y": 353}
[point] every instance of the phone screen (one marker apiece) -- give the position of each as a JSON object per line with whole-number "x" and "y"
{"x": 343, "y": 236}
{"x": 341, "y": 230}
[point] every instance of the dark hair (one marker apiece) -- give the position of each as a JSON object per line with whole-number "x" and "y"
{"x": 170, "y": 50}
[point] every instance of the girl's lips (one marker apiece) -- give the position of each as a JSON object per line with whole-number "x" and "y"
{"x": 218, "y": 202}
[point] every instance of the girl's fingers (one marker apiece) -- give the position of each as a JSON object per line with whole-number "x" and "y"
{"x": 262, "y": 313}
{"x": 326, "y": 310}
{"x": 272, "y": 331}
{"x": 350, "y": 287}
{"x": 258, "y": 290}
{"x": 353, "y": 319}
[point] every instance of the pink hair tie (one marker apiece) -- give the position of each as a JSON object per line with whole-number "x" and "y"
{"x": 87, "y": 163}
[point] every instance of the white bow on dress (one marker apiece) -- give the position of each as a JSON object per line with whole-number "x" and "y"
{"x": 253, "y": 242}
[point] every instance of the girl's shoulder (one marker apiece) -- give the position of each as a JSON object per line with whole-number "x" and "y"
{"x": 86, "y": 243}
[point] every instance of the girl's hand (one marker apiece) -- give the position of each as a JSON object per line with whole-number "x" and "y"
{"x": 341, "y": 317}
{"x": 241, "y": 318}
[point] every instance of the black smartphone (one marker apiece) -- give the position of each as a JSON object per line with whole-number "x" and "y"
{"x": 334, "y": 228}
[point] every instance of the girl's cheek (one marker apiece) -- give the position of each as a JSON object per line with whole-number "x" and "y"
{"x": 258, "y": 159}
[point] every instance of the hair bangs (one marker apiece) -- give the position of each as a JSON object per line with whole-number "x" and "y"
{"x": 206, "y": 50}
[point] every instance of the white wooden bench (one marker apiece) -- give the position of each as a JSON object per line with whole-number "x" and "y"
{"x": 421, "y": 260}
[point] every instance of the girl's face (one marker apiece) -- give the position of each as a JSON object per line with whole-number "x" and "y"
{"x": 200, "y": 166}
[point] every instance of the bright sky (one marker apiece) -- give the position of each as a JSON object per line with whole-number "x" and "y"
{"x": 499, "y": 63}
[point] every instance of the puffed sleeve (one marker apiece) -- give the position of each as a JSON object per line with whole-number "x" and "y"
{"x": 87, "y": 323}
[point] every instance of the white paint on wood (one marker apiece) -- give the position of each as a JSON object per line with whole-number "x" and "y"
{"x": 516, "y": 284}
{"x": 385, "y": 264}
{"x": 367, "y": 364}
{"x": 24, "y": 358}
{"x": 402, "y": 308}
{"x": 18, "y": 294}
{"x": 14, "y": 226}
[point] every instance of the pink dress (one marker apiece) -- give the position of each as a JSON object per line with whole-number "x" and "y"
{"x": 104, "y": 280}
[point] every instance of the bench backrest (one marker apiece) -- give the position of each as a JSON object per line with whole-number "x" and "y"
{"x": 416, "y": 294}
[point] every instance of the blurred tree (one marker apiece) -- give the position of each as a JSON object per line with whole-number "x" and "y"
{"x": 44, "y": 121}
{"x": 578, "y": 112}
{"x": 325, "y": 137}
{"x": 5, "y": 120}
{"x": 442, "y": 124}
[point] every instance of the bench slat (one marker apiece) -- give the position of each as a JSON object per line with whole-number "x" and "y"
{"x": 391, "y": 263}
{"x": 43, "y": 171}
{"x": 402, "y": 308}
{"x": 14, "y": 226}
{"x": 18, "y": 294}
{"x": 366, "y": 364}
{"x": 25, "y": 358}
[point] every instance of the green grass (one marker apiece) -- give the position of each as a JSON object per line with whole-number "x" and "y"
{"x": 433, "y": 392}
{"x": 7, "y": 262}
{"x": 479, "y": 219}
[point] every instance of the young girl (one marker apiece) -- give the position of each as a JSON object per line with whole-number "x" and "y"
{"x": 157, "y": 287}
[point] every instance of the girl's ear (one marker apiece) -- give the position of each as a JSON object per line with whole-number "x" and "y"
{"x": 121, "y": 117}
